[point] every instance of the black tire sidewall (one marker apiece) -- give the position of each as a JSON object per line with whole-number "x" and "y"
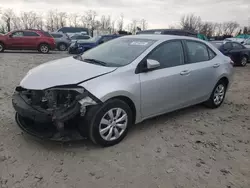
{"x": 44, "y": 45}
{"x": 94, "y": 125}
{"x": 2, "y": 47}
{"x": 62, "y": 44}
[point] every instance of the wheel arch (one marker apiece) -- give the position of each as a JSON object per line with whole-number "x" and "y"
{"x": 128, "y": 99}
{"x": 43, "y": 43}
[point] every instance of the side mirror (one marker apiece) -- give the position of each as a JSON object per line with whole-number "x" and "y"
{"x": 152, "y": 64}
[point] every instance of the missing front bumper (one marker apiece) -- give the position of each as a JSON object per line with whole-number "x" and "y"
{"x": 61, "y": 125}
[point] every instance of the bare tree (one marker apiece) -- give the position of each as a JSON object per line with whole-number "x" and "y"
{"x": 62, "y": 16}
{"x": 207, "y": 28}
{"x": 144, "y": 24}
{"x": 190, "y": 22}
{"x": 28, "y": 19}
{"x": 73, "y": 19}
{"x": 218, "y": 29}
{"x": 7, "y": 16}
{"x": 105, "y": 22}
{"x": 120, "y": 22}
{"x": 230, "y": 27}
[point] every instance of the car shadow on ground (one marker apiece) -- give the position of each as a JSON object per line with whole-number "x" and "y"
{"x": 147, "y": 124}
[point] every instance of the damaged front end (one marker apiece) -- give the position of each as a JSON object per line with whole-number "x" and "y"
{"x": 52, "y": 113}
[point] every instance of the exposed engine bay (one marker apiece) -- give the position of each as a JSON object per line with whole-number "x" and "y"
{"x": 56, "y": 106}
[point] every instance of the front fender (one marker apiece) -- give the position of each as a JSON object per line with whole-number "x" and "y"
{"x": 116, "y": 84}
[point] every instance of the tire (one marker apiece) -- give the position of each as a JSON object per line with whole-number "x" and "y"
{"x": 44, "y": 48}
{"x": 243, "y": 61}
{"x": 1, "y": 47}
{"x": 62, "y": 47}
{"x": 96, "y": 114}
{"x": 220, "y": 96}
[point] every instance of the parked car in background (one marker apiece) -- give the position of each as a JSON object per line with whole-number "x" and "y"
{"x": 77, "y": 37}
{"x": 81, "y": 46}
{"x": 236, "y": 51}
{"x": 62, "y": 40}
{"x": 179, "y": 32}
{"x": 70, "y": 31}
{"x": 246, "y": 43}
{"x": 120, "y": 83}
{"x": 27, "y": 40}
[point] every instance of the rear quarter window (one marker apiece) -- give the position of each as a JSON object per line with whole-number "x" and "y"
{"x": 46, "y": 34}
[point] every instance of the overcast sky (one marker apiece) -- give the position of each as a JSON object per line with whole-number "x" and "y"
{"x": 158, "y": 13}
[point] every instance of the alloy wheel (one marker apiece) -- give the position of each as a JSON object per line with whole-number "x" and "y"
{"x": 219, "y": 94}
{"x": 44, "y": 49}
{"x": 113, "y": 124}
{"x": 244, "y": 61}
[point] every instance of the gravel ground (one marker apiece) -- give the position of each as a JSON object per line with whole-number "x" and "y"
{"x": 194, "y": 147}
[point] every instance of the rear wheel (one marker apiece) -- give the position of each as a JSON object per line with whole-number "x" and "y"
{"x": 108, "y": 124}
{"x": 44, "y": 48}
{"x": 1, "y": 47}
{"x": 62, "y": 47}
{"x": 218, "y": 95}
{"x": 243, "y": 61}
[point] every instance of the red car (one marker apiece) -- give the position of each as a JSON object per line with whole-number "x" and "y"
{"x": 27, "y": 40}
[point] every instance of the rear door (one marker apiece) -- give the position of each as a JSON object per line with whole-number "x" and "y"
{"x": 30, "y": 39}
{"x": 15, "y": 40}
{"x": 202, "y": 67}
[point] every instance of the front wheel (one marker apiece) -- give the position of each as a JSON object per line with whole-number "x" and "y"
{"x": 44, "y": 48}
{"x": 108, "y": 124}
{"x": 218, "y": 95}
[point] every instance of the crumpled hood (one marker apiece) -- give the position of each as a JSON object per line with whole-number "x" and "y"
{"x": 64, "y": 71}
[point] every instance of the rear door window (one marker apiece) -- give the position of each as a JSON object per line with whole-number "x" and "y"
{"x": 197, "y": 52}
{"x": 30, "y": 34}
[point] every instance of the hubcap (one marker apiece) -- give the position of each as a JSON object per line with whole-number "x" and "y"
{"x": 113, "y": 124}
{"x": 1, "y": 47}
{"x": 219, "y": 94}
{"x": 44, "y": 49}
{"x": 244, "y": 61}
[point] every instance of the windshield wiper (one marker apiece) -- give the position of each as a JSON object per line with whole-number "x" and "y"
{"x": 95, "y": 61}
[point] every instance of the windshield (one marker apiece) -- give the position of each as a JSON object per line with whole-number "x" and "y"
{"x": 118, "y": 52}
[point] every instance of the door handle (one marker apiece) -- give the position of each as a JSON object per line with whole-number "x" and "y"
{"x": 216, "y": 65}
{"x": 185, "y": 72}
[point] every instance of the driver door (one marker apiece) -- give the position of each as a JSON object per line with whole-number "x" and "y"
{"x": 162, "y": 89}
{"x": 15, "y": 40}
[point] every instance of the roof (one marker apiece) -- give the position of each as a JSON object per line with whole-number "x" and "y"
{"x": 169, "y": 30}
{"x": 160, "y": 37}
